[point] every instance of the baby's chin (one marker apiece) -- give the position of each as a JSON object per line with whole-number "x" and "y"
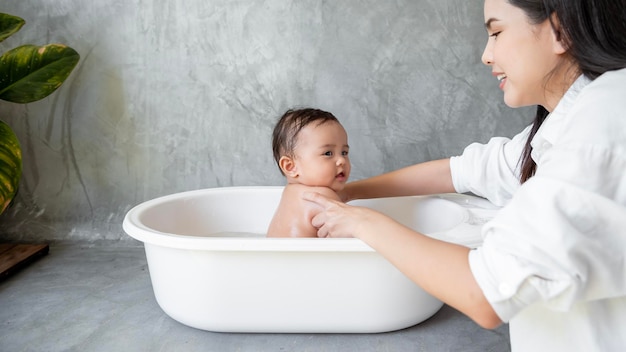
{"x": 338, "y": 187}
{"x": 335, "y": 186}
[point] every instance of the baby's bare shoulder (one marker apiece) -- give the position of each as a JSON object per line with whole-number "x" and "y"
{"x": 296, "y": 190}
{"x": 325, "y": 191}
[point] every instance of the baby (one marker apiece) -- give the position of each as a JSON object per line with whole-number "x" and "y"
{"x": 311, "y": 149}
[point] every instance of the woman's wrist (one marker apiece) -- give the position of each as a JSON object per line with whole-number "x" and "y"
{"x": 348, "y": 194}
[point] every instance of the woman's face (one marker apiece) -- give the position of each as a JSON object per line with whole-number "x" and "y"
{"x": 523, "y": 56}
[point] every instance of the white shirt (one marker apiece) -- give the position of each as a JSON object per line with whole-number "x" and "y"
{"x": 553, "y": 261}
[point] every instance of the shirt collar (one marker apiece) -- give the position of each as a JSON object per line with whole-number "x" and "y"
{"x": 551, "y": 128}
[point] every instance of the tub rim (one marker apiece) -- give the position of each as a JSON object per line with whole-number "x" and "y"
{"x": 137, "y": 230}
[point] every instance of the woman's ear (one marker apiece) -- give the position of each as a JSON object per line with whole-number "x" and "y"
{"x": 558, "y": 45}
{"x": 288, "y": 166}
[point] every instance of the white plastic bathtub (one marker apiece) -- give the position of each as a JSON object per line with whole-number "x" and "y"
{"x": 212, "y": 267}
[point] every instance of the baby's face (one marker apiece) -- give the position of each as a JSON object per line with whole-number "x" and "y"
{"x": 321, "y": 156}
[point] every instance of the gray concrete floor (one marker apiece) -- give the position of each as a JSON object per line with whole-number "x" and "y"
{"x": 99, "y": 298}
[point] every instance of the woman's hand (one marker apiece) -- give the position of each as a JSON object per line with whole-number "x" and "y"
{"x": 337, "y": 219}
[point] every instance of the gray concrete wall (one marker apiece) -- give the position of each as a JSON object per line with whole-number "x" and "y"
{"x": 172, "y": 96}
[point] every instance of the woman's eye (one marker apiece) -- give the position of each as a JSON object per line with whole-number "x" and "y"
{"x": 495, "y": 34}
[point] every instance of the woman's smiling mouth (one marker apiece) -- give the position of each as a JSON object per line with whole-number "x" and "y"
{"x": 502, "y": 78}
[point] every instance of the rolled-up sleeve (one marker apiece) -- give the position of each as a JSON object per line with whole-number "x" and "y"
{"x": 490, "y": 170}
{"x": 567, "y": 245}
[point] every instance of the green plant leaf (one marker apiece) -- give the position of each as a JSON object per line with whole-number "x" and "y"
{"x": 10, "y": 165}
{"x": 9, "y": 24}
{"x": 29, "y": 73}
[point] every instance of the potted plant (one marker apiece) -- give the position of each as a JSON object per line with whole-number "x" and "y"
{"x": 27, "y": 73}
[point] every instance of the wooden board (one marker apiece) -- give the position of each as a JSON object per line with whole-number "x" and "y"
{"x": 15, "y": 256}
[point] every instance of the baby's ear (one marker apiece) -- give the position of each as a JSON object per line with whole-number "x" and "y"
{"x": 288, "y": 166}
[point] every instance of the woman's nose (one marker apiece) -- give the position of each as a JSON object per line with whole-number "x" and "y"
{"x": 487, "y": 57}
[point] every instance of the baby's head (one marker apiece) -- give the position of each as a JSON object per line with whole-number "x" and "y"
{"x": 310, "y": 147}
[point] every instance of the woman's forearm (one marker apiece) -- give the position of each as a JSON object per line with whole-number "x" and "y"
{"x": 430, "y": 177}
{"x": 440, "y": 268}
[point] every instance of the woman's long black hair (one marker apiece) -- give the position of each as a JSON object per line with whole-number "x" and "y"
{"x": 594, "y": 33}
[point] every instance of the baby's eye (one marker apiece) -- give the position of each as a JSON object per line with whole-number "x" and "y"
{"x": 328, "y": 153}
{"x": 344, "y": 153}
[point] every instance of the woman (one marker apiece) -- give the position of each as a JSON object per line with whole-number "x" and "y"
{"x": 553, "y": 261}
